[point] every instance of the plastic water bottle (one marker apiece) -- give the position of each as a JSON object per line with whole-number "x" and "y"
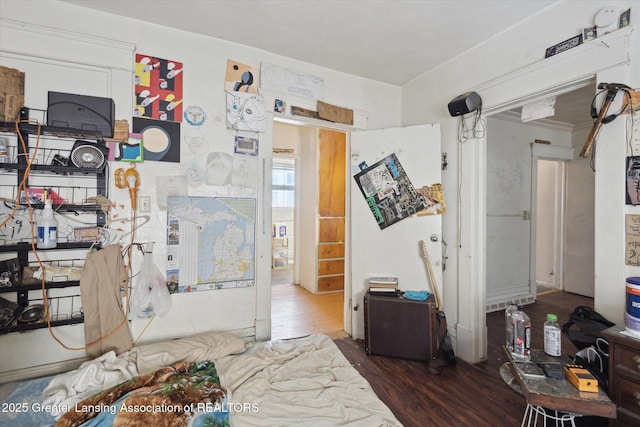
{"x": 47, "y": 228}
{"x": 552, "y": 336}
{"x": 521, "y": 335}
{"x": 512, "y": 308}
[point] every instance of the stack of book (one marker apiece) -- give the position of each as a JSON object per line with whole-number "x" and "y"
{"x": 383, "y": 285}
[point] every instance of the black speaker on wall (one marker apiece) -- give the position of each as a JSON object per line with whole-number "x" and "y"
{"x": 465, "y": 103}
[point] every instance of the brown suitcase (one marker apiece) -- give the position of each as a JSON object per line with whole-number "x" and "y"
{"x": 399, "y": 327}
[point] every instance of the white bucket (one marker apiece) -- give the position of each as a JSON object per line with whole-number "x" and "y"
{"x": 632, "y": 313}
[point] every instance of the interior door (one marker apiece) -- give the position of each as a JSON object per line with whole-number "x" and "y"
{"x": 381, "y": 249}
{"x": 510, "y": 262}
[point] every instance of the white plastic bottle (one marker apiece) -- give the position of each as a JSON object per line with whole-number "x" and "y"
{"x": 47, "y": 228}
{"x": 3, "y": 150}
{"x": 552, "y": 336}
{"x": 521, "y": 335}
{"x": 511, "y": 308}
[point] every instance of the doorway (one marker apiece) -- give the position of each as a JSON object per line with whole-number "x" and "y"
{"x": 283, "y": 235}
{"x": 536, "y": 193}
{"x": 298, "y": 306}
{"x": 549, "y": 226}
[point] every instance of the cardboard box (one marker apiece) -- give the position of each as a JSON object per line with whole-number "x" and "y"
{"x": 11, "y": 94}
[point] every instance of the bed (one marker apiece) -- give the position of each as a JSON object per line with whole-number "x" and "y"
{"x": 213, "y": 379}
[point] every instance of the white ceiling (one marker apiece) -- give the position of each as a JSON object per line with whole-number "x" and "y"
{"x": 391, "y": 41}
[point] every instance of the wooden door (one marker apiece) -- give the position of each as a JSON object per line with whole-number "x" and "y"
{"x": 331, "y": 209}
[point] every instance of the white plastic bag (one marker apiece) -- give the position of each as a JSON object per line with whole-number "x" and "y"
{"x": 150, "y": 295}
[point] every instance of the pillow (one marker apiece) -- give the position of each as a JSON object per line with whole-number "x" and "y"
{"x": 209, "y": 346}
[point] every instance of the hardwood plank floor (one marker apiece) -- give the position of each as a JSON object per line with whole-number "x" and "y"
{"x": 296, "y": 312}
{"x": 464, "y": 395}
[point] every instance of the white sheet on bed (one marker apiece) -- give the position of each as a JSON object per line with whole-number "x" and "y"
{"x": 209, "y": 346}
{"x": 300, "y": 382}
{"x": 69, "y": 388}
{"x": 108, "y": 370}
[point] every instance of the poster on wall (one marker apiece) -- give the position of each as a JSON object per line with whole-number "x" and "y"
{"x": 130, "y": 151}
{"x": 160, "y": 140}
{"x": 158, "y": 88}
{"x": 211, "y": 243}
{"x": 241, "y": 77}
{"x": 632, "y": 240}
{"x": 388, "y": 191}
{"x": 245, "y": 111}
{"x": 633, "y": 180}
{"x": 291, "y": 82}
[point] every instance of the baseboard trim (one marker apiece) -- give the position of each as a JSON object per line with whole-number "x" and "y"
{"x": 524, "y": 300}
{"x": 40, "y": 370}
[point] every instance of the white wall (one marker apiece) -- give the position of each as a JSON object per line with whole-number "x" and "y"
{"x": 579, "y": 271}
{"x": 204, "y": 60}
{"x": 425, "y": 100}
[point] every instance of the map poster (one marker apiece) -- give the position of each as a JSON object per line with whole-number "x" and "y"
{"x": 389, "y": 192}
{"x": 210, "y": 242}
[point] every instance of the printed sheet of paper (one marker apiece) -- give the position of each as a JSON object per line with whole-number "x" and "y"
{"x": 632, "y": 238}
{"x": 435, "y": 200}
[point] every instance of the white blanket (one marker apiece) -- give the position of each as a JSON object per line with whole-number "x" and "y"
{"x": 106, "y": 371}
{"x": 65, "y": 390}
{"x": 300, "y": 382}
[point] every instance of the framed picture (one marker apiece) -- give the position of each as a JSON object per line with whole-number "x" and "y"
{"x": 589, "y": 33}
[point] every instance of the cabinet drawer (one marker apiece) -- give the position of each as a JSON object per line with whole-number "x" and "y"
{"x": 330, "y": 267}
{"x": 628, "y": 395}
{"x": 331, "y": 230}
{"x": 628, "y": 358}
{"x": 332, "y": 283}
{"x": 625, "y": 420}
{"x": 331, "y": 250}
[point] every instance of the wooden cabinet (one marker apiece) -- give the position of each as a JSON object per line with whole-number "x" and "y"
{"x": 624, "y": 376}
{"x": 331, "y": 210}
{"x": 400, "y": 327}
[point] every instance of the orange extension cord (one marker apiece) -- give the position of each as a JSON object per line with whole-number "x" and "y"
{"x": 22, "y": 186}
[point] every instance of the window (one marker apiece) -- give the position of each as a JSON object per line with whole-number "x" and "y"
{"x": 283, "y": 183}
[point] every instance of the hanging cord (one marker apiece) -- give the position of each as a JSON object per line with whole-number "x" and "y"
{"x": 631, "y": 119}
{"x": 22, "y": 186}
{"x": 114, "y": 330}
{"x": 477, "y": 129}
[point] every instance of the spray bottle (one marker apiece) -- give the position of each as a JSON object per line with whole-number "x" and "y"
{"x": 47, "y": 227}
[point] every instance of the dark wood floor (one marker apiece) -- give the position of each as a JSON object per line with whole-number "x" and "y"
{"x": 464, "y": 395}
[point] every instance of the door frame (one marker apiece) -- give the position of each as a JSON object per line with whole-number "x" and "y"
{"x": 552, "y": 76}
{"x": 318, "y": 124}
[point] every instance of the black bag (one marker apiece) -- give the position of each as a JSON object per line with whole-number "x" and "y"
{"x": 595, "y": 358}
{"x": 584, "y": 326}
